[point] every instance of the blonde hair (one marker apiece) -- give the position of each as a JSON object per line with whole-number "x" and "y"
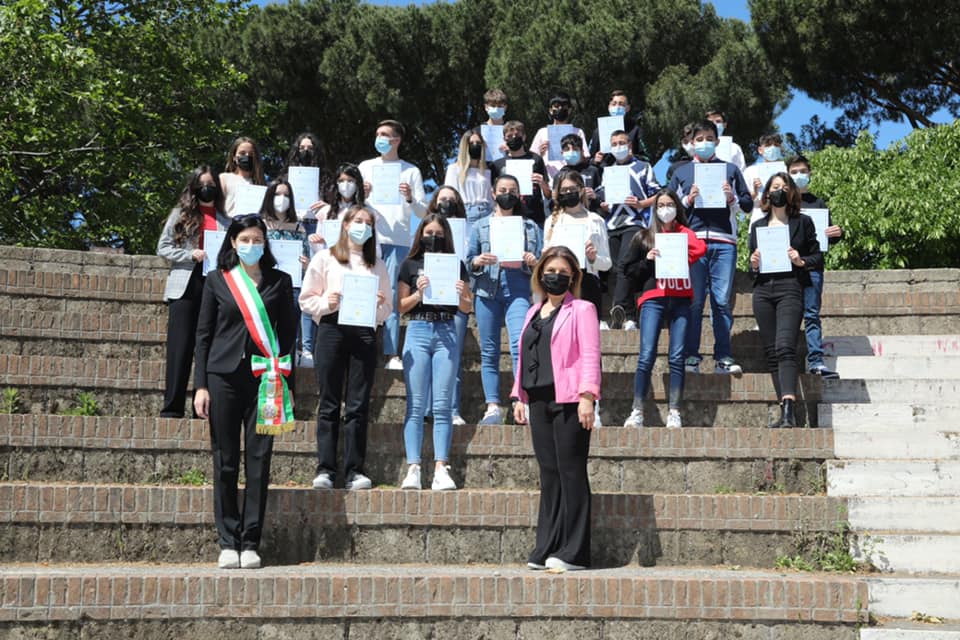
{"x": 463, "y": 155}
{"x": 548, "y": 255}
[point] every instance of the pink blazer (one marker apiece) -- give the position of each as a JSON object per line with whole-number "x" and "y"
{"x": 574, "y": 350}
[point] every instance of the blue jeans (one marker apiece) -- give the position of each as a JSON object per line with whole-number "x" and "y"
{"x": 715, "y": 270}
{"x": 461, "y": 323}
{"x": 393, "y": 256}
{"x": 477, "y": 211}
{"x": 428, "y": 365}
{"x": 510, "y": 304}
{"x": 812, "y": 296}
{"x": 676, "y": 311}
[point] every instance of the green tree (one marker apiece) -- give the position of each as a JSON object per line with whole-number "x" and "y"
{"x": 105, "y": 107}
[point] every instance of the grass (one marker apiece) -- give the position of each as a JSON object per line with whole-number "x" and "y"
{"x": 193, "y": 477}
{"x": 85, "y": 405}
{"x": 10, "y": 401}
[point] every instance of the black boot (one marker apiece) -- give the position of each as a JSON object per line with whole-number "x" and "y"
{"x": 788, "y": 416}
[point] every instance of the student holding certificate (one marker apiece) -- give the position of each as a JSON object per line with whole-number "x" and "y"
{"x": 243, "y": 167}
{"x": 429, "y": 349}
{"x": 560, "y": 111}
{"x": 514, "y": 137}
{"x": 344, "y": 354}
{"x": 502, "y": 289}
{"x": 246, "y": 334}
{"x": 470, "y": 176}
{"x": 181, "y": 242}
{"x": 770, "y": 149}
{"x": 569, "y": 208}
{"x": 778, "y": 297}
{"x": 662, "y": 298}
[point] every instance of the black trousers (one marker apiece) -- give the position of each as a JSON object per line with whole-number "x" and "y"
{"x": 622, "y": 293}
{"x": 778, "y": 310}
{"x": 233, "y": 400}
{"x": 343, "y": 354}
{"x": 182, "y": 317}
{"x": 561, "y": 446}
{"x": 590, "y": 289}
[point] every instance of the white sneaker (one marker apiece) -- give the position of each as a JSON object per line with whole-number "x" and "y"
{"x": 229, "y": 559}
{"x": 412, "y": 481}
{"x": 492, "y": 416}
{"x": 457, "y": 421}
{"x": 597, "y": 422}
{"x": 442, "y": 480}
{"x": 306, "y": 359}
{"x": 557, "y": 563}
{"x": 357, "y": 482}
{"x": 323, "y": 481}
{"x": 673, "y": 419}
{"x": 249, "y": 559}
{"x": 635, "y": 420}
{"x": 604, "y": 326}
{"x": 728, "y": 366}
{"x": 394, "y": 364}
{"x": 629, "y": 325}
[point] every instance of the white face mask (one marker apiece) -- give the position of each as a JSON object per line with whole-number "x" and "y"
{"x": 281, "y": 204}
{"x": 667, "y": 214}
{"x": 620, "y": 152}
{"x": 347, "y": 189}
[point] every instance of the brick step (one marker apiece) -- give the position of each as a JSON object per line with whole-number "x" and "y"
{"x": 82, "y": 523}
{"x": 149, "y": 450}
{"x": 351, "y": 602}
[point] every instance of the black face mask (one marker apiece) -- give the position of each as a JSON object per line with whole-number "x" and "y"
{"x": 507, "y": 201}
{"x": 560, "y": 113}
{"x": 207, "y": 193}
{"x": 245, "y": 163}
{"x": 568, "y": 200}
{"x": 433, "y": 244}
{"x": 515, "y": 143}
{"x": 778, "y": 198}
{"x": 306, "y": 157}
{"x": 475, "y": 151}
{"x": 447, "y": 208}
{"x": 555, "y": 283}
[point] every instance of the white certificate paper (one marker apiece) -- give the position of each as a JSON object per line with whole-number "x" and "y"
{"x": 766, "y": 170}
{"x": 507, "y": 238}
{"x": 287, "y": 253}
{"x": 492, "y": 135}
{"x": 709, "y": 177}
{"x": 673, "y": 261}
{"x": 821, "y": 220}
{"x": 358, "y": 302}
{"x": 522, "y": 170}
{"x": 605, "y": 128}
{"x": 249, "y": 199}
{"x": 330, "y": 230}
{"x": 724, "y": 149}
{"x": 305, "y": 182}
{"x": 385, "y": 183}
{"x": 773, "y": 243}
{"x": 573, "y": 236}
{"x": 461, "y": 233}
{"x": 443, "y": 271}
{"x": 616, "y": 184}
{"x": 212, "y": 241}
{"x": 555, "y": 133}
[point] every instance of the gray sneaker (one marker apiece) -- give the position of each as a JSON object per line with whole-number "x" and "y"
{"x": 692, "y": 364}
{"x": 728, "y": 366}
{"x": 357, "y": 481}
{"x": 323, "y": 481}
{"x": 635, "y": 420}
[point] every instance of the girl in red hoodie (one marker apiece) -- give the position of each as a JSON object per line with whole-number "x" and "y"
{"x": 661, "y": 298}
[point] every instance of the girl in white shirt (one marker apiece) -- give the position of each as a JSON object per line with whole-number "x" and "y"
{"x": 243, "y": 167}
{"x": 470, "y": 177}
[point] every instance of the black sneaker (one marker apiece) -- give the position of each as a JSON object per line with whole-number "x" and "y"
{"x": 823, "y": 372}
{"x": 617, "y": 317}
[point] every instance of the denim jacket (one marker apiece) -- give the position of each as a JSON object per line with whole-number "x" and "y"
{"x": 486, "y": 279}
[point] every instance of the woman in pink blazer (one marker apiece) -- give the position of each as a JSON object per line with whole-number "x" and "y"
{"x": 558, "y": 378}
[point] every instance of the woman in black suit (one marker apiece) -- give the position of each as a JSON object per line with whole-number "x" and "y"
{"x": 247, "y": 329}
{"x": 778, "y": 297}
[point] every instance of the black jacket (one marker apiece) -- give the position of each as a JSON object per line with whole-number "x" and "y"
{"x": 803, "y": 238}
{"x": 223, "y": 343}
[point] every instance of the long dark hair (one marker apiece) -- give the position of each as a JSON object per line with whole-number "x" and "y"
{"x": 227, "y": 258}
{"x": 793, "y": 195}
{"x": 647, "y": 238}
{"x": 268, "y": 211}
{"x": 434, "y": 206}
{"x": 341, "y": 250}
{"x": 416, "y": 247}
{"x": 359, "y": 197}
{"x": 190, "y": 222}
{"x": 231, "y": 166}
{"x": 317, "y": 158}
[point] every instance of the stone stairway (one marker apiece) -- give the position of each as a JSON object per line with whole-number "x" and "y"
{"x": 103, "y": 534}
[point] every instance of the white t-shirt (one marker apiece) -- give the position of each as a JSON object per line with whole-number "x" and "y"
{"x": 476, "y": 187}
{"x": 393, "y": 223}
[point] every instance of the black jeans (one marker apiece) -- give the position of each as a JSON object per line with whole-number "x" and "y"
{"x": 343, "y": 354}
{"x": 590, "y": 289}
{"x": 623, "y": 294}
{"x": 181, "y": 339}
{"x": 778, "y": 309}
{"x": 561, "y": 446}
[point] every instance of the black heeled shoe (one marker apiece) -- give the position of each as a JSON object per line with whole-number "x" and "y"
{"x": 788, "y": 416}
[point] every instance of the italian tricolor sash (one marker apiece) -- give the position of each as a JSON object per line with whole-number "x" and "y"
{"x": 274, "y": 410}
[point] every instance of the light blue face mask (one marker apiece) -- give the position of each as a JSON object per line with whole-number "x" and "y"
{"x": 720, "y": 128}
{"x": 617, "y": 111}
{"x": 705, "y": 149}
{"x": 249, "y": 254}
{"x": 620, "y": 152}
{"x": 571, "y": 157}
{"x": 383, "y": 145}
{"x": 772, "y": 153}
{"x": 496, "y": 113}
{"x": 801, "y": 179}
{"x": 359, "y": 232}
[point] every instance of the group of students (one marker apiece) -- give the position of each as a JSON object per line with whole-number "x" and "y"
{"x": 241, "y": 318}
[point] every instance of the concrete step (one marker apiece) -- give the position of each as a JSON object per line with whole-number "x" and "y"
{"x": 940, "y": 366}
{"x": 910, "y": 553}
{"x": 904, "y": 514}
{"x": 83, "y": 523}
{"x": 891, "y": 345}
{"x": 907, "y": 630}
{"x": 901, "y": 596}
{"x": 891, "y": 430}
{"x": 923, "y": 392}
{"x": 908, "y": 478}
{"x": 351, "y": 602}
{"x": 149, "y": 450}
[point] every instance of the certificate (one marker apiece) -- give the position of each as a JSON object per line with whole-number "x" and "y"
{"x": 443, "y": 271}
{"x": 330, "y": 230}
{"x": 616, "y": 184}
{"x": 287, "y": 253}
{"x": 709, "y": 177}
{"x": 724, "y": 149}
{"x": 773, "y": 243}
{"x": 673, "y": 261}
{"x": 212, "y": 241}
{"x": 507, "y": 238}
{"x": 573, "y": 236}
{"x": 522, "y": 170}
{"x": 305, "y": 183}
{"x": 492, "y": 135}
{"x": 358, "y": 301}
{"x": 249, "y": 199}
{"x": 766, "y": 170}
{"x": 605, "y": 128}
{"x": 461, "y": 232}
{"x": 385, "y": 183}
{"x": 555, "y": 133}
{"x": 821, "y": 220}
